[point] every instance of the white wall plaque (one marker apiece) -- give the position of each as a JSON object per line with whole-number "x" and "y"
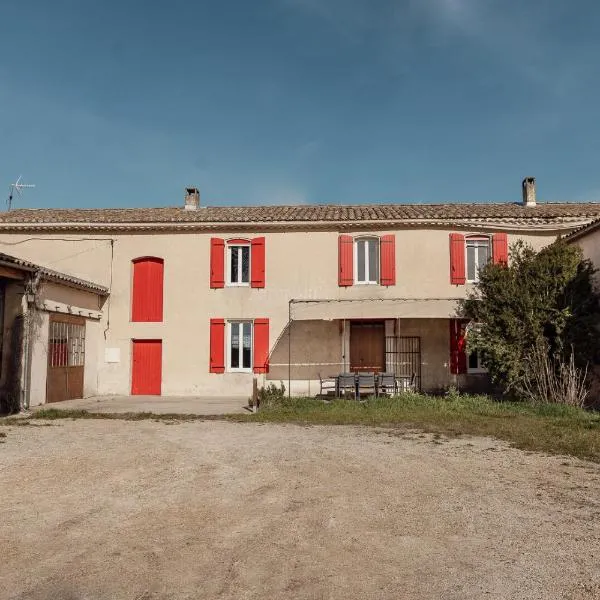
{"x": 112, "y": 355}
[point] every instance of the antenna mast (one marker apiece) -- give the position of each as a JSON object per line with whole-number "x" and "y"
{"x": 18, "y": 186}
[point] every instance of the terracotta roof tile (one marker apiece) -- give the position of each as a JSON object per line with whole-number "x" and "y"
{"x": 52, "y": 275}
{"x": 547, "y": 212}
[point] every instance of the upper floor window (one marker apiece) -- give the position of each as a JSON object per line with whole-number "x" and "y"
{"x": 147, "y": 293}
{"x": 238, "y": 263}
{"x": 478, "y": 255}
{"x": 366, "y": 251}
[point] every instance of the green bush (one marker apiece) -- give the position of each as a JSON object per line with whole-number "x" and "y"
{"x": 542, "y": 299}
{"x": 271, "y": 395}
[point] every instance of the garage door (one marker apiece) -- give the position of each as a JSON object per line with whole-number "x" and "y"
{"x": 146, "y": 371}
{"x": 66, "y": 358}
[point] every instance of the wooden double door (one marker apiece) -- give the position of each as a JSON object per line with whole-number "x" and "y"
{"x": 367, "y": 346}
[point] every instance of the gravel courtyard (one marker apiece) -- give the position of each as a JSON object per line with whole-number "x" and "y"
{"x": 141, "y": 510}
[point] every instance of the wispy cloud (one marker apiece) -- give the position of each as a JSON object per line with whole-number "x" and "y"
{"x": 308, "y": 149}
{"x": 516, "y": 35}
{"x": 273, "y": 194}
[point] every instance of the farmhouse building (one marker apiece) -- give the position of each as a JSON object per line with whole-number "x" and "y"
{"x": 200, "y": 300}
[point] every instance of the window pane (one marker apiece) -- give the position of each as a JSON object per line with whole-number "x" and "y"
{"x": 484, "y": 255}
{"x": 373, "y": 260}
{"x": 360, "y": 260}
{"x": 235, "y": 345}
{"x": 245, "y": 264}
{"x": 233, "y": 277}
{"x": 473, "y": 360}
{"x": 471, "y": 266}
{"x": 247, "y": 349}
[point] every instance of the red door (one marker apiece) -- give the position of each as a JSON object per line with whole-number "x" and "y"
{"x": 146, "y": 371}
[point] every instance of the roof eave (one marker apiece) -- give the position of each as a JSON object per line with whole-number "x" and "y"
{"x": 539, "y": 223}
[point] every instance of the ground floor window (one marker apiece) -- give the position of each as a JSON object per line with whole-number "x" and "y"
{"x": 475, "y": 363}
{"x": 239, "y": 346}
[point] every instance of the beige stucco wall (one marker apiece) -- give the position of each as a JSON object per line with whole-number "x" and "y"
{"x": 299, "y": 265}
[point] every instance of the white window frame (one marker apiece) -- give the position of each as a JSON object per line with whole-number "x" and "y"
{"x": 231, "y": 369}
{"x": 368, "y": 280}
{"x": 230, "y": 248}
{"x": 477, "y": 241}
{"x": 479, "y": 368}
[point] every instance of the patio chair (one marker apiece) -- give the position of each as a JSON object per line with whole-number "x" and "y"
{"x": 346, "y": 384}
{"x": 412, "y": 383}
{"x": 387, "y": 384}
{"x": 407, "y": 384}
{"x": 366, "y": 385}
{"x": 327, "y": 386}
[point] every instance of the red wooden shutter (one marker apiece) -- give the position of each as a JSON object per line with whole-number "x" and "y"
{"x": 387, "y": 253}
{"x": 345, "y": 254}
{"x": 257, "y": 263}
{"x": 457, "y": 259}
{"x": 261, "y": 345}
{"x": 217, "y": 345}
{"x": 217, "y": 263}
{"x": 500, "y": 248}
{"x": 458, "y": 355}
{"x": 147, "y": 296}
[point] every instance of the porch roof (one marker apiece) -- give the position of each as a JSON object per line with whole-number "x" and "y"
{"x": 373, "y": 308}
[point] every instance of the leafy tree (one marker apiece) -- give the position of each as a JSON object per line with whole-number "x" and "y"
{"x": 541, "y": 300}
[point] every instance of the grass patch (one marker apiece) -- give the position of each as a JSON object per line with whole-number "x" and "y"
{"x": 51, "y": 414}
{"x": 551, "y": 428}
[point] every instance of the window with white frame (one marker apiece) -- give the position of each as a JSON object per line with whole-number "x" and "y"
{"x": 475, "y": 363}
{"x": 239, "y": 346}
{"x": 366, "y": 255}
{"x": 478, "y": 255}
{"x": 238, "y": 267}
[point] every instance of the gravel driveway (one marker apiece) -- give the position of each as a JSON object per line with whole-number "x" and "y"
{"x": 141, "y": 510}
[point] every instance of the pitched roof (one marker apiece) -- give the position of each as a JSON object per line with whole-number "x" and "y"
{"x": 557, "y": 216}
{"x": 583, "y": 230}
{"x": 51, "y": 275}
{"x": 310, "y": 212}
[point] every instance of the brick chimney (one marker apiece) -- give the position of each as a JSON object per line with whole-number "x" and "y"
{"x": 192, "y": 198}
{"x": 529, "y": 191}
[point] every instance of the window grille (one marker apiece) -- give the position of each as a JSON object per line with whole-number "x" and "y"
{"x": 66, "y": 344}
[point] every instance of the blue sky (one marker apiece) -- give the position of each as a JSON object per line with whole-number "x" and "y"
{"x": 106, "y": 103}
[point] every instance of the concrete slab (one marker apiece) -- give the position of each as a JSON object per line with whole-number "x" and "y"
{"x": 154, "y": 404}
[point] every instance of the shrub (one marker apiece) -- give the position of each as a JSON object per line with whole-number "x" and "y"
{"x": 271, "y": 395}
{"x": 549, "y": 380}
{"x": 537, "y": 322}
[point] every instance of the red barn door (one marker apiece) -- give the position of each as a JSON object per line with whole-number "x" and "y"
{"x": 146, "y": 371}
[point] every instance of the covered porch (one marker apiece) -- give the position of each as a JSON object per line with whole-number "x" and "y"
{"x": 410, "y": 338}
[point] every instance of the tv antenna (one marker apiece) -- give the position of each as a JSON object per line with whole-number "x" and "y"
{"x": 19, "y": 187}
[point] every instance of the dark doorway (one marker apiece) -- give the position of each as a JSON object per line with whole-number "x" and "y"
{"x": 367, "y": 346}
